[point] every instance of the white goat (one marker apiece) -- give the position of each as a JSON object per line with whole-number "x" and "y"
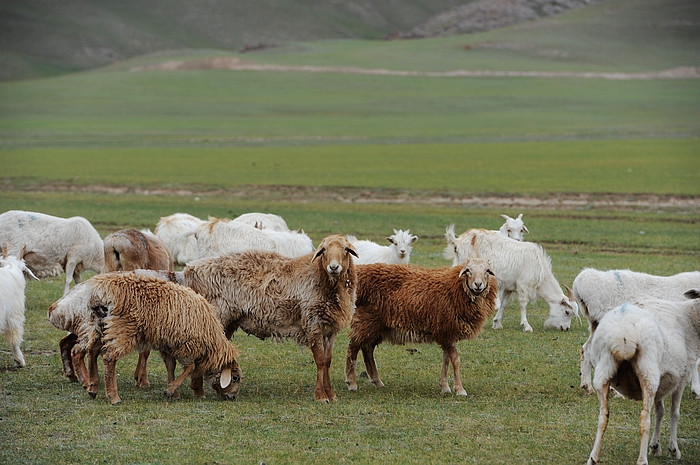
{"x": 398, "y": 252}
{"x": 263, "y": 221}
{"x": 218, "y": 237}
{"x": 521, "y": 267}
{"x": 514, "y": 227}
{"x": 176, "y": 232}
{"x": 53, "y": 244}
{"x": 646, "y": 351}
{"x": 597, "y": 292}
{"x": 12, "y": 284}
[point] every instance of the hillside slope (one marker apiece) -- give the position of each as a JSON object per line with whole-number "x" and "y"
{"x": 41, "y": 38}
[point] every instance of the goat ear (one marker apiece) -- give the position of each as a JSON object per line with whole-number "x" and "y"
{"x": 414, "y": 239}
{"x": 388, "y": 238}
{"x": 464, "y": 271}
{"x": 318, "y": 253}
{"x": 566, "y": 303}
{"x": 692, "y": 294}
{"x": 225, "y": 378}
{"x": 351, "y": 251}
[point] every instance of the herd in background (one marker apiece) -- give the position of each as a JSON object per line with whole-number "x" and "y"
{"x": 254, "y": 273}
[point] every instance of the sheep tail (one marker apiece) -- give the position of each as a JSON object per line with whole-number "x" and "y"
{"x": 624, "y": 348}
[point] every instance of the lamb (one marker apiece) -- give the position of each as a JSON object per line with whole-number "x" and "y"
{"x": 130, "y": 311}
{"x": 598, "y": 292}
{"x": 12, "y": 284}
{"x": 646, "y": 351}
{"x": 309, "y": 298}
{"x": 221, "y": 236}
{"x": 71, "y": 313}
{"x": 131, "y": 249}
{"x": 177, "y": 233}
{"x": 263, "y": 221}
{"x": 399, "y": 250}
{"x": 408, "y": 304}
{"x": 513, "y": 227}
{"x": 71, "y": 245}
{"x": 521, "y": 267}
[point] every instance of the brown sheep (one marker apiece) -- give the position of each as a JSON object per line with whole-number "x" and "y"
{"x": 71, "y": 313}
{"x": 131, "y": 249}
{"x": 408, "y": 304}
{"x": 310, "y": 298}
{"x": 131, "y": 311}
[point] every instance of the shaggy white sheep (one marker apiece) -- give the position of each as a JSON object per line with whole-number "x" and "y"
{"x": 176, "y": 232}
{"x": 399, "y": 250}
{"x": 646, "y": 351}
{"x": 597, "y": 292}
{"x": 263, "y": 221}
{"x": 521, "y": 267}
{"x": 12, "y": 284}
{"x": 71, "y": 245}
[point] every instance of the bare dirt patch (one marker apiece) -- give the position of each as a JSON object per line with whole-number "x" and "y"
{"x": 238, "y": 64}
{"x": 359, "y": 195}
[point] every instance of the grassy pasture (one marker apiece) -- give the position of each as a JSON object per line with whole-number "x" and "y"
{"x": 361, "y": 155}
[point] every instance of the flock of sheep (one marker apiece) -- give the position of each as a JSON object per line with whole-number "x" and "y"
{"x": 254, "y": 273}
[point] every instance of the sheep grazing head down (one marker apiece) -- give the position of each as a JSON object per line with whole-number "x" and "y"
{"x": 334, "y": 254}
{"x": 477, "y": 276}
{"x": 401, "y": 241}
{"x": 560, "y": 314}
{"x": 228, "y": 382}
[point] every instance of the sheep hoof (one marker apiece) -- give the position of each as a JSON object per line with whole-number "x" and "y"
{"x": 526, "y": 328}
{"x": 116, "y": 402}
{"x": 674, "y": 452}
{"x": 446, "y": 390}
{"x": 460, "y": 392}
{"x": 72, "y": 378}
{"x": 591, "y": 461}
{"x": 351, "y": 386}
{"x": 497, "y": 325}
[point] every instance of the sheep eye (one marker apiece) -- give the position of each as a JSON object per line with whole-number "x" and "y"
{"x": 490, "y": 272}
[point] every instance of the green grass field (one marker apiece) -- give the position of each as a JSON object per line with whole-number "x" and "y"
{"x": 606, "y": 172}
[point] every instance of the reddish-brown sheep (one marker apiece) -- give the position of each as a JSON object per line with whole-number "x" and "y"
{"x": 408, "y": 304}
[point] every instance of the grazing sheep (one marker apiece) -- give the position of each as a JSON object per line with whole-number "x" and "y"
{"x": 408, "y": 304}
{"x": 310, "y": 298}
{"x": 222, "y": 236}
{"x": 263, "y": 221}
{"x": 131, "y": 249}
{"x": 521, "y": 267}
{"x": 513, "y": 227}
{"x": 646, "y": 351}
{"x": 177, "y": 233}
{"x": 71, "y": 313}
{"x": 398, "y": 252}
{"x": 71, "y": 245}
{"x": 598, "y": 292}
{"x": 130, "y": 311}
{"x": 12, "y": 284}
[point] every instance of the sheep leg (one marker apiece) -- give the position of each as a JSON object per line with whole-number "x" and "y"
{"x": 586, "y": 366}
{"x": 645, "y": 420}
{"x": 351, "y": 366}
{"x": 110, "y": 372}
{"x": 173, "y": 385}
{"x": 502, "y": 300}
{"x": 91, "y": 377}
{"x": 673, "y": 449}
{"x": 658, "y": 416}
{"x": 603, "y": 416}
{"x": 454, "y": 358}
{"x": 15, "y": 340}
{"x": 71, "y": 274}
{"x": 443, "y": 374}
{"x": 523, "y": 300}
{"x": 319, "y": 354}
{"x": 197, "y": 386}
{"x": 66, "y": 347}
{"x": 170, "y": 363}
{"x": 141, "y": 372}
{"x": 371, "y": 365}
{"x": 328, "y": 345}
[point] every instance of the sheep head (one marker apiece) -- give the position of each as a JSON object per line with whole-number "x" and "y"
{"x": 477, "y": 276}
{"x": 334, "y": 254}
{"x": 401, "y": 242}
{"x": 227, "y": 383}
{"x": 514, "y": 227}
